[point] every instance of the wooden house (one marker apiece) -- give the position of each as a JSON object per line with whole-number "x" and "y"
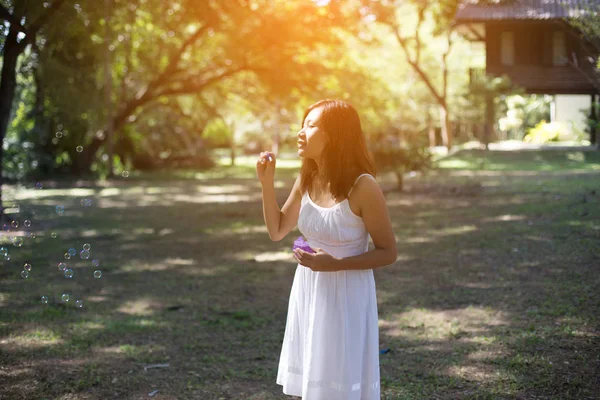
{"x": 532, "y": 42}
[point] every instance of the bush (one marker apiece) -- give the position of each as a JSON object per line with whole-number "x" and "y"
{"x": 399, "y": 160}
{"x": 543, "y": 133}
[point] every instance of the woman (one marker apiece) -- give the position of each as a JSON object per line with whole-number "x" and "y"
{"x": 330, "y": 348}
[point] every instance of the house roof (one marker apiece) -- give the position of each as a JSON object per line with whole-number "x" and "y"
{"x": 524, "y": 10}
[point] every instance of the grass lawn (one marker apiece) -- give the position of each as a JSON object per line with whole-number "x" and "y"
{"x": 494, "y": 294}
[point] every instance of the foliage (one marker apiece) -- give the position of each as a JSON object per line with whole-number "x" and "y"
{"x": 399, "y": 157}
{"x": 543, "y": 132}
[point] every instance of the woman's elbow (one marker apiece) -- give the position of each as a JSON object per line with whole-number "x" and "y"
{"x": 275, "y": 237}
{"x": 393, "y": 257}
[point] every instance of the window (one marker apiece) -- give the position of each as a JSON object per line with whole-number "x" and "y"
{"x": 559, "y": 49}
{"x": 507, "y": 48}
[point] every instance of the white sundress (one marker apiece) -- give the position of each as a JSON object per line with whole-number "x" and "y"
{"x": 330, "y": 348}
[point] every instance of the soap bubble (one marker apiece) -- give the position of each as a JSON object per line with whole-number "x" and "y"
{"x": 86, "y": 202}
{"x": 14, "y": 224}
{"x": 32, "y": 235}
{"x": 79, "y": 303}
{"x": 27, "y": 223}
{"x": 6, "y": 227}
{"x": 125, "y": 174}
{"x": 65, "y": 297}
{"x": 27, "y": 267}
{"x": 62, "y": 266}
{"x": 16, "y": 207}
{"x": 7, "y": 257}
{"x": 3, "y": 251}
{"x": 58, "y": 134}
{"x": 67, "y": 256}
{"x": 44, "y": 299}
{"x": 95, "y": 263}
{"x": 18, "y": 242}
{"x": 97, "y": 274}
{"x": 84, "y": 254}
{"x": 79, "y": 149}
{"x": 60, "y": 210}
{"x": 53, "y": 235}
{"x": 72, "y": 251}
{"x": 25, "y": 274}
{"x": 39, "y": 185}
{"x": 69, "y": 273}
{"x": 87, "y": 247}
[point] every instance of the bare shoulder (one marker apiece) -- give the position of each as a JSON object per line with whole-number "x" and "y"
{"x": 366, "y": 193}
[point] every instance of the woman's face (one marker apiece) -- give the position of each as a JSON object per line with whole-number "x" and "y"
{"x": 311, "y": 136}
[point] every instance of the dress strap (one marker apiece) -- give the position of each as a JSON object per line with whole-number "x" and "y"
{"x": 354, "y": 184}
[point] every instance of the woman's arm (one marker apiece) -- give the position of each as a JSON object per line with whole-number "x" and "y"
{"x": 280, "y": 222}
{"x": 370, "y": 200}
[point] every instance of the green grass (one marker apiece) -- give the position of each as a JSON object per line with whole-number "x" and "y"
{"x": 524, "y": 160}
{"x": 493, "y": 296}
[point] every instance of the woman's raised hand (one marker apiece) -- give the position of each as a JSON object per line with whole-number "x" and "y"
{"x": 265, "y": 167}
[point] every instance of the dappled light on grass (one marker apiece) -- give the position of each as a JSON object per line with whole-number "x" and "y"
{"x": 450, "y": 231}
{"x": 33, "y": 338}
{"x": 272, "y": 256}
{"x": 221, "y": 189}
{"x": 142, "y": 307}
{"x": 504, "y": 218}
{"x": 418, "y": 323}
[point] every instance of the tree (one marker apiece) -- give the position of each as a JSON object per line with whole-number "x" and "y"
{"x": 23, "y": 27}
{"x": 434, "y": 16}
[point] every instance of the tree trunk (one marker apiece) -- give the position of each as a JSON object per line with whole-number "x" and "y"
{"x": 431, "y": 132}
{"x": 108, "y": 88}
{"x": 400, "y": 179}
{"x": 446, "y": 125}
{"x": 8, "y": 84}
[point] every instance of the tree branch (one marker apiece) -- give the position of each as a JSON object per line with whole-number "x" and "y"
{"x": 415, "y": 66}
{"x": 5, "y": 15}
{"x": 193, "y": 87}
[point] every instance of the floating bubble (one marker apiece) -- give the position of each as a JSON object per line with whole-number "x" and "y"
{"x": 27, "y": 223}
{"x": 18, "y": 242}
{"x": 60, "y": 210}
{"x": 6, "y": 227}
{"x": 65, "y": 297}
{"x": 27, "y": 267}
{"x": 72, "y": 251}
{"x": 69, "y": 273}
{"x": 95, "y": 263}
{"x": 39, "y": 185}
{"x": 58, "y": 134}
{"x": 87, "y": 247}
{"x": 16, "y": 207}
{"x": 32, "y": 235}
{"x": 79, "y": 149}
{"x": 7, "y": 257}
{"x": 97, "y": 274}
{"x": 67, "y": 256}
{"x": 86, "y": 202}
{"x": 84, "y": 254}
{"x": 79, "y": 303}
{"x": 14, "y": 224}
{"x": 125, "y": 174}
{"x": 44, "y": 299}
{"x": 25, "y": 274}
{"x": 3, "y": 251}
{"x": 62, "y": 266}
{"x": 53, "y": 235}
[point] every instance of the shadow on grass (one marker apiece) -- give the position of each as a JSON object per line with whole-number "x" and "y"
{"x": 492, "y": 295}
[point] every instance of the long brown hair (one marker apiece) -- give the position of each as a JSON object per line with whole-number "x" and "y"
{"x": 345, "y": 155}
